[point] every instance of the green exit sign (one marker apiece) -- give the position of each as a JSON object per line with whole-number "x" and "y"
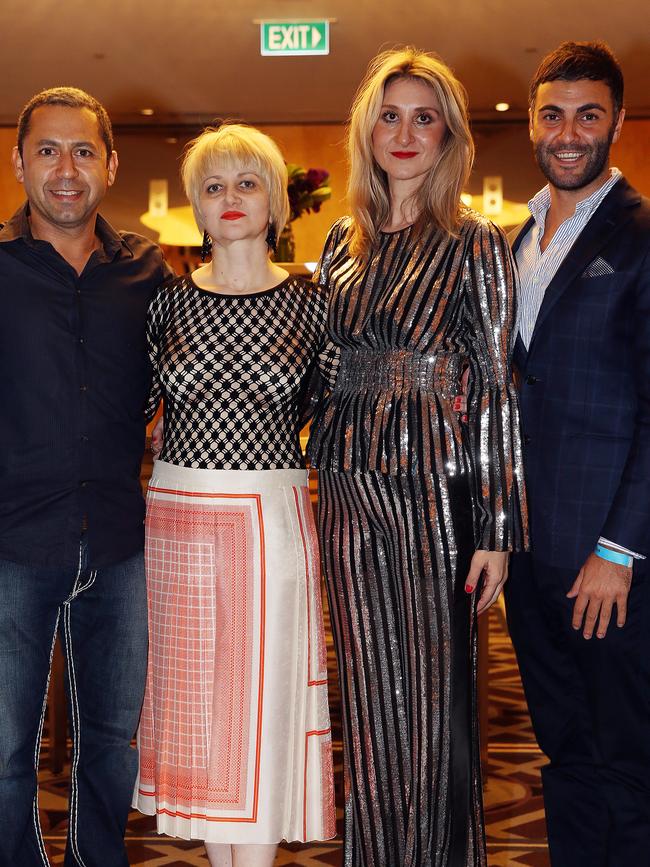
{"x": 294, "y": 38}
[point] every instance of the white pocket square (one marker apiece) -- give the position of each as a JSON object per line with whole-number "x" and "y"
{"x": 598, "y": 268}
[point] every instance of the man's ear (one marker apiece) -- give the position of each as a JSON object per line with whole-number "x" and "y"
{"x": 113, "y": 163}
{"x": 17, "y": 162}
{"x": 618, "y": 125}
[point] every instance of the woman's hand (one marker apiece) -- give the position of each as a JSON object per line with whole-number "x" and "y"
{"x": 157, "y": 437}
{"x": 493, "y": 565}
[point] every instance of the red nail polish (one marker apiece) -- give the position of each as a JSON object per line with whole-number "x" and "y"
{"x": 468, "y": 588}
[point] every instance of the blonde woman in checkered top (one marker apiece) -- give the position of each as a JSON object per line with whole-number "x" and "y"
{"x": 235, "y": 741}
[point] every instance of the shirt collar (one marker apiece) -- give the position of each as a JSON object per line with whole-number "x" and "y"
{"x": 541, "y": 201}
{"x": 18, "y": 227}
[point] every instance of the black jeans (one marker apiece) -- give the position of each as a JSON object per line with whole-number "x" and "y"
{"x": 590, "y": 706}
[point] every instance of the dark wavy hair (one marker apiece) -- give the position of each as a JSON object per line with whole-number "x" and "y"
{"x": 573, "y": 61}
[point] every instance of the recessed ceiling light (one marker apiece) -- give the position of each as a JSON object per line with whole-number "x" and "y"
{"x": 147, "y": 111}
{"x": 502, "y": 106}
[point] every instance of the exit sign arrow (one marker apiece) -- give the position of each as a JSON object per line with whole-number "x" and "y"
{"x": 294, "y": 38}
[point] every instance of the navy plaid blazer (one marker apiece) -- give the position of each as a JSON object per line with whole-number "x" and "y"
{"x": 585, "y": 389}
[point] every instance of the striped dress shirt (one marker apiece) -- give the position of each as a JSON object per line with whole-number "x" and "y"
{"x": 537, "y": 268}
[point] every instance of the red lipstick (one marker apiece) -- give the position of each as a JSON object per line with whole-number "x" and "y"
{"x": 404, "y": 155}
{"x": 232, "y": 215}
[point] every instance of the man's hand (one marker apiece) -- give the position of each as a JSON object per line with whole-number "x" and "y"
{"x": 493, "y": 565}
{"x": 157, "y": 437}
{"x": 598, "y": 586}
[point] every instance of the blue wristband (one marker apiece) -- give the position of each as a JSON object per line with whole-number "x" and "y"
{"x": 614, "y": 556}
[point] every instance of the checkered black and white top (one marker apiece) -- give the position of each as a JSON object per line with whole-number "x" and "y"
{"x": 232, "y": 371}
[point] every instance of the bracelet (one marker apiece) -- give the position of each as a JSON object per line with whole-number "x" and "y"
{"x": 614, "y": 556}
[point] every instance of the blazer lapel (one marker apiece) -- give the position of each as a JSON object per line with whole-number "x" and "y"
{"x": 609, "y": 218}
{"x": 515, "y": 237}
{"x": 520, "y": 354}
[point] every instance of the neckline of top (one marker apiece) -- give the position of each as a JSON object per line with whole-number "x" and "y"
{"x": 275, "y": 288}
{"x": 396, "y": 231}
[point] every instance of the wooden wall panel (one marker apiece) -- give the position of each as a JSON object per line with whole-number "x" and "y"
{"x": 632, "y": 154}
{"x": 11, "y": 192}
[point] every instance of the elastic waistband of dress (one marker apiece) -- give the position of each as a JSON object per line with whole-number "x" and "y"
{"x": 398, "y": 370}
{"x": 166, "y": 475}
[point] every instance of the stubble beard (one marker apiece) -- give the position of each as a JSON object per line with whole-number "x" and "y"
{"x": 595, "y": 164}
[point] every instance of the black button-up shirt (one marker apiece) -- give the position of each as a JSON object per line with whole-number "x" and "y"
{"x": 74, "y": 379}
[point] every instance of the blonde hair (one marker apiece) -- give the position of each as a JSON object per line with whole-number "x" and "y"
{"x": 438, "y": 198}
{"x": 236, "y": 145}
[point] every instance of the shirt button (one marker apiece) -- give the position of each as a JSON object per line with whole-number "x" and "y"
{"x": 83, "y": 484}
{"x": 526, "y": 440}
{"x": 82, "y": 340}
{"x": 83, "y": 388}
{"x": 531, "y": 380}
{"x": 84, "y": 438}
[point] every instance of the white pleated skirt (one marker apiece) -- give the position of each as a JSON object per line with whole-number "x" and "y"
{"x": 234, "y": 740}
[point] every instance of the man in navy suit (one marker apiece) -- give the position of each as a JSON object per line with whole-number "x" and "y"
{"x": 579, "y": 601}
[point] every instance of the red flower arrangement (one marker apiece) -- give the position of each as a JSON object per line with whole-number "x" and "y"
{"x": 307, "y": 189}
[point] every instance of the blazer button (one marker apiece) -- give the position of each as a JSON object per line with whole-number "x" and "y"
{"x": 526, "y": 440}
{"x": 531, "y": 380}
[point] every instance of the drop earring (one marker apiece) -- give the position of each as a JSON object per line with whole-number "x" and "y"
{"x": 272, "y": 239}
{"x": 206, "y": 247}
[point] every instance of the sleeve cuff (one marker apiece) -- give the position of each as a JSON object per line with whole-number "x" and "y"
{"x": 615, "y": 547}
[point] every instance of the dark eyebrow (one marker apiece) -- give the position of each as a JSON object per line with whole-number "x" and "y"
{"x": 591, "y": 105}
{"x": 49, "y": 142}
{"x": 587, "y": 107}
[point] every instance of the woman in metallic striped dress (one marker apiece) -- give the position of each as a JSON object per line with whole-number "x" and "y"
{"x": 418, "y": 450}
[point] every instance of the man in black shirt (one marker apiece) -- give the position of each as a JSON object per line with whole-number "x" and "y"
{"x": 74, "y": 378}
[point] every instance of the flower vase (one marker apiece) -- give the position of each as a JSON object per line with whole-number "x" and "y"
{"x": 286, "y": 251}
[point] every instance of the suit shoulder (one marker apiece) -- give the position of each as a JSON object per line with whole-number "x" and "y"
{"x": 637, "y": 227}
{"x": 644, "y": 210}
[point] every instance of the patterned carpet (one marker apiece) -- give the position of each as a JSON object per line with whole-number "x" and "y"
{"x": 516, "y": 833}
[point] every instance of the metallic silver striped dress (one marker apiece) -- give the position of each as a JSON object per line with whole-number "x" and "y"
{"x": 411, "y": 483}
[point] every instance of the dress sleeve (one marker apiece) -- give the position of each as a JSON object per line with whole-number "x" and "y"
{"x": 153, "y": 332}
{"x": 335, "y": 247}
{"x": 493, "y": 411}
{"x": 319, "y": 381}
{"x": 323, "y": 371}
{"x": 332, "y": 246}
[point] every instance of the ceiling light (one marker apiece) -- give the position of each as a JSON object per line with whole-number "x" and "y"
{"x": 147, "y": 112}
{"x": 502, "y": 106}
